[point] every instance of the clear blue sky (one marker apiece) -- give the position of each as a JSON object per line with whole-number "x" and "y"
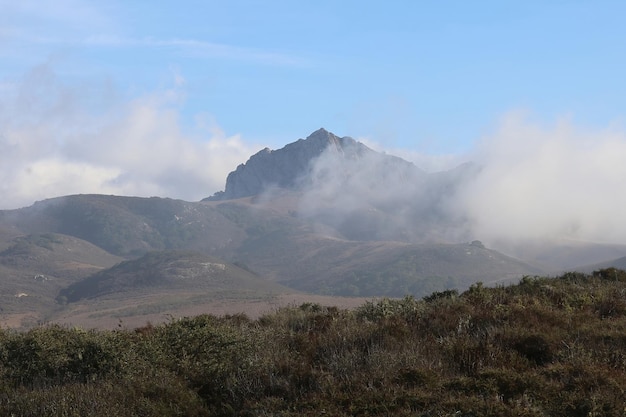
{"x": 430, "y": 77}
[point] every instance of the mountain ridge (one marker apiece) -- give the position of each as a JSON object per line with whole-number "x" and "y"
{"x": 288, "y": 166}
{"x": 324, "y": 215}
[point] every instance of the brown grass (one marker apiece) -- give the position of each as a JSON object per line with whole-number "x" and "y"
{"x": 104, "y": 315}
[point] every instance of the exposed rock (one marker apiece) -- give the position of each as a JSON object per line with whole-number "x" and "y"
{"x": 286, "y": 167}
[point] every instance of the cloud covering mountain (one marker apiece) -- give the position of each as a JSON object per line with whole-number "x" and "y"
{"x": 529, "y": 183}
{"x": 537, "y": 180}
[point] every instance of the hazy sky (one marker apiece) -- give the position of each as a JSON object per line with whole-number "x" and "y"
{"x": 165, "y": 98}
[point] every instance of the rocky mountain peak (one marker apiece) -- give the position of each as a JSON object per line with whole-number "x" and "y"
{"x": 284, "y": 167}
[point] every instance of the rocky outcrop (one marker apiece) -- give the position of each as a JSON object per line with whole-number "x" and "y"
{"x": 286, "y": 167}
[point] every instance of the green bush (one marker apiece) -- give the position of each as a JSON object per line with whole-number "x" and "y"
{"x": 542, "y": 347}
{"x": 57, "y": 355}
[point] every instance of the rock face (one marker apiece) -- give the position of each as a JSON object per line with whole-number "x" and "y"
{"x": 357, "y": 192}
{"x": 286, "y": 167}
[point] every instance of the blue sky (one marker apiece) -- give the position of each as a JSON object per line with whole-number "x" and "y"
{"x": 416, "y": 74}
{"x": 165, "y": 98}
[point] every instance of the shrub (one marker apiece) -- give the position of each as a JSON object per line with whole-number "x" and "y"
{"x": 611, "y": 274}
{"x": 535, "y": 348}
{"x": 542, "y": 347}
{"x": 57, "y": 355}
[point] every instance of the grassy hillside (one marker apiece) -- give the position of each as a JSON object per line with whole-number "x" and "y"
{"x": 171, "y": 271}
{"x": 160, "y": 285}
{"x": 34, "y": 268}
{"x": 325, "y": 265}
{"x": 544, "y": 347}
{"x": 128, "y": 226}
{"x": 268, "y": 237}
{"x": 54, "y": 254}
{"x": 619, "y": 263}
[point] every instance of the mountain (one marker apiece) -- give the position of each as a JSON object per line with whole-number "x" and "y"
{"x": 323, "y": 215}
{"x": 53, "y": 256}
{"x": 562, "y": 255}
{"x": 359, "y": 193}
{"x": 265, "y": 237}
{"x": 290, "y": 166}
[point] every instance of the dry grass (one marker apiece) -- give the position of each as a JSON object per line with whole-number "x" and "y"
{"x": 110, "y": 314}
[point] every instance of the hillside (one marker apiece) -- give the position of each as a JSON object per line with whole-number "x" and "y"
{"x": 323, "y": 264}
{"x": 323, "y": 215}
{"x": 54, "y": 255}
{"x": 128, "y": 226}
{"x": 170, "y": 272}
{"x": 276, "y": 243}
{"x": 619, "y": 263}
{"x": 165, "y": 284}
{"x": 34, "y": 268}
{"x": 544, "y": 347}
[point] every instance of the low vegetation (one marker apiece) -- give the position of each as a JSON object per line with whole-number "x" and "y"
{"x": 543, "y": 347}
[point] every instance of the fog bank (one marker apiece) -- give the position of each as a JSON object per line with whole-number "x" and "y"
{"x": 555, "y": 181}
{"x": 527, "y": 182}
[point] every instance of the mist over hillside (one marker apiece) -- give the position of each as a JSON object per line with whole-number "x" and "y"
{"x": 525, "y": 192}
{"x": 548, "y": 183}
{"x": 363, "y": 194}
{"x": 537, "y": 181}
{"x": 378, "y": 196}
{"x": 324, "y": 215}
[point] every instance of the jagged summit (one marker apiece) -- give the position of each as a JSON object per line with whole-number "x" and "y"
{"x": 284, "y": 167}
{"x": 321, "y": 139}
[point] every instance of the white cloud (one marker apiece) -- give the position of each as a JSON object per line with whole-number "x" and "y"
{"x": 424, "y": 161}
{"x": 57, "y": 139}
{"x": 366, "y": 195}
{"x": 543, "y": 182}
{"x": 536, "y": 183}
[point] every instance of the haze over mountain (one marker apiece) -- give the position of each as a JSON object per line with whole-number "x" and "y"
{"x": 294, "y": 166}
{"x": 551, "y": 147}
{"x": 324, "y": 215}
{"x": 362, "y": 193}
{"x": 524, "y": 195}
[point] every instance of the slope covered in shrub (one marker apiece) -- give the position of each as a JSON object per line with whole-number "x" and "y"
{"x": 542, "y": 347}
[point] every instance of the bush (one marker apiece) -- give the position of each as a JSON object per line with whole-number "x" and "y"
{"x": 57, "y": 355}
{"x": 542, "y": 347}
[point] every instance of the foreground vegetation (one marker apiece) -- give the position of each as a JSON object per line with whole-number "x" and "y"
{"x": 544, "y": 347}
